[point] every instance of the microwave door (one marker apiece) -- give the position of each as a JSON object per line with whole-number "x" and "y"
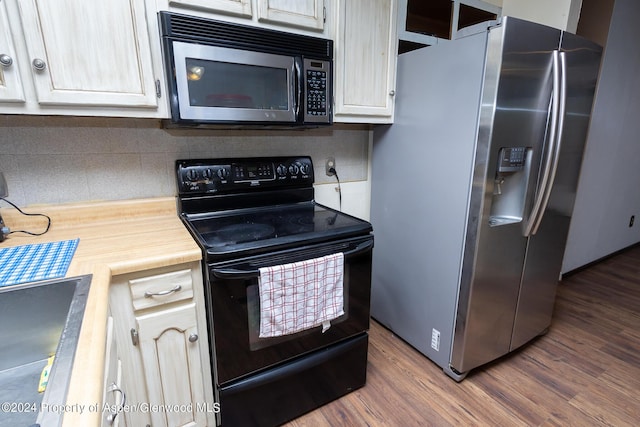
{"x": 223, "y": 85}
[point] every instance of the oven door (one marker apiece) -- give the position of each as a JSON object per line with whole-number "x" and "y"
{"x": 234, "y": 311}
{"x": 222, "y": 85}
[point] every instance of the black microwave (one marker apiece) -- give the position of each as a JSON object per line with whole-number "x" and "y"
{"x": 221, "y": 73}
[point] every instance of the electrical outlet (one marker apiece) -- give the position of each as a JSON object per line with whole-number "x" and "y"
{"x": 435, "y": 339}
{"x": 632, "y": 220}
{"x": 329, "y": 165}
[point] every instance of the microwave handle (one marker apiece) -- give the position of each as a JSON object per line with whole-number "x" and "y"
{"x": 297, "y": 84}
{"x": 235, "y": 273}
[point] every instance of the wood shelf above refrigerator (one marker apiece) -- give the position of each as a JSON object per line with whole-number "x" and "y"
{"x": 427, "y": 23}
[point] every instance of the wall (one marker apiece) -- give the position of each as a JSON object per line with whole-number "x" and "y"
{"x": 49, "y": 160}
{"x": 608, "y": 192}
{"x": 595, "y": 17}
{"x": 494, "y": 2}
{"x": 562, "y": 14}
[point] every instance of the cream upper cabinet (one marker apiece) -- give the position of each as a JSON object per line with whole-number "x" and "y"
{"x": 299, "y": 13}
{"x": 305, "y": 16}
{"x": 10, "y": 82}
{"x": 365, "y": 42}
{"x": 90, "y": 53}
{"x": 231, "y": 7}
{"x": 78, "y": 53}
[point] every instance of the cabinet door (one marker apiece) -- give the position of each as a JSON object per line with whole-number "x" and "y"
{"x": 169, "y": 344}
{"x": 92, "y": 53}
{"x": 113, "y": 392}
{"x": 10, "y": 82}
{"x": 365, "y": 61}
{"x": 298, "y": 13}
{"x": 231, "y": 7}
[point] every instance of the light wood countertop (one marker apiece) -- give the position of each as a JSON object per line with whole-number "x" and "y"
{"x": 116, "y": 237}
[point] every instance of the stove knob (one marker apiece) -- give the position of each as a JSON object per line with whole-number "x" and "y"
{"x": 281, "y": 170}
{"x": 192, "y": 175}
{"x": 293, "y": 169}
{"x": 207, "y": 173}
{"x": 304, "y": 168}
{"x": 223, "y": 174}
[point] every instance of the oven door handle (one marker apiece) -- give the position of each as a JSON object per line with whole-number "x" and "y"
{"x": 361, "y": 248}
{"x": 235, "y": 273}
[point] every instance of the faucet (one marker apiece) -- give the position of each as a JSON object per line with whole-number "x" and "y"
{"x": 4, "y": 230}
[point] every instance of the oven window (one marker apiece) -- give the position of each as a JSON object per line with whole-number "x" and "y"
{"x": 233, "y": 85}
{"x": 253, "y": 313}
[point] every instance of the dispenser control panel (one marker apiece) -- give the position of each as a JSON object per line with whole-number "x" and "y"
{"x": 511, "y": 159}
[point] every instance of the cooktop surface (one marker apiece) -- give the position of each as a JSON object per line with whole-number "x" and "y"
{"x": 257, "y": 228}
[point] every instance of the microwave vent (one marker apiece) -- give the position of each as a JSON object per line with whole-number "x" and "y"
{"x": 225, "y": 34}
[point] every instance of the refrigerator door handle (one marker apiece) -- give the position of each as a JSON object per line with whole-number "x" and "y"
{"x": 558, "y": 143}
{"x": 552, "y": 156}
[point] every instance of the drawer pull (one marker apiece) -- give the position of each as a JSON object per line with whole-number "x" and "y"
{"x": 163, "y": 293}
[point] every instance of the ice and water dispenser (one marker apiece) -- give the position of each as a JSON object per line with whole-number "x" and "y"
{"x": 510, "y": 185}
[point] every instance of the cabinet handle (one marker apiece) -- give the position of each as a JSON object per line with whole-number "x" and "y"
{"x": 176, "y": 288}
{"x": 135, "y": 339}
{"x": 123, "y": 400}
{"x": 193, "y": 337}
{"x": 6, "y": 60}
{"x": 39, "y": 64}
{"x": 392, "y": 93}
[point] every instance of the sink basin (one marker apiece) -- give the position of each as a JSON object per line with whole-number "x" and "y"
{"x": 38, "y": 320}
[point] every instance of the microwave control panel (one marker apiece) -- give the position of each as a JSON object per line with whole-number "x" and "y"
{"x": 317, "y": 94}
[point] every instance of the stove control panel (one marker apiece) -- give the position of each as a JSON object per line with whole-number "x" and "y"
{"x": 231, "y": 175}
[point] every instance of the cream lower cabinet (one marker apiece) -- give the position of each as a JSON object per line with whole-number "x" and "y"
{"x": 172, "y": 366}
{"x": 114, "y": 397}
{"x": 80, "y": 57}
{"x": 161, "y": 334}
{"x": 364, "y": 33}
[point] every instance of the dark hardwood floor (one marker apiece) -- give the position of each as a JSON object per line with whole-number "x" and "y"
{"x": 584, "y": 372}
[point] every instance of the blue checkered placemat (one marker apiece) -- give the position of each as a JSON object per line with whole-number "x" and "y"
{"x": 41, "y": 261}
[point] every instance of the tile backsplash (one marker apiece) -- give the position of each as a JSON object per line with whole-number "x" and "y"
{"x": 53, "y": 159}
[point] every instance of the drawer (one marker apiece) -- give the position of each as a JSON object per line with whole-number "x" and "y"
{"x": 152, "y": 291}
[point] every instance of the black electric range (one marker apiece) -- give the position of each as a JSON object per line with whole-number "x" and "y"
{"x": 248, "y": 213}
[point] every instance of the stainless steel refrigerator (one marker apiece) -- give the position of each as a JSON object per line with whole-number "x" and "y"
{"x": 473, "y": 189}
